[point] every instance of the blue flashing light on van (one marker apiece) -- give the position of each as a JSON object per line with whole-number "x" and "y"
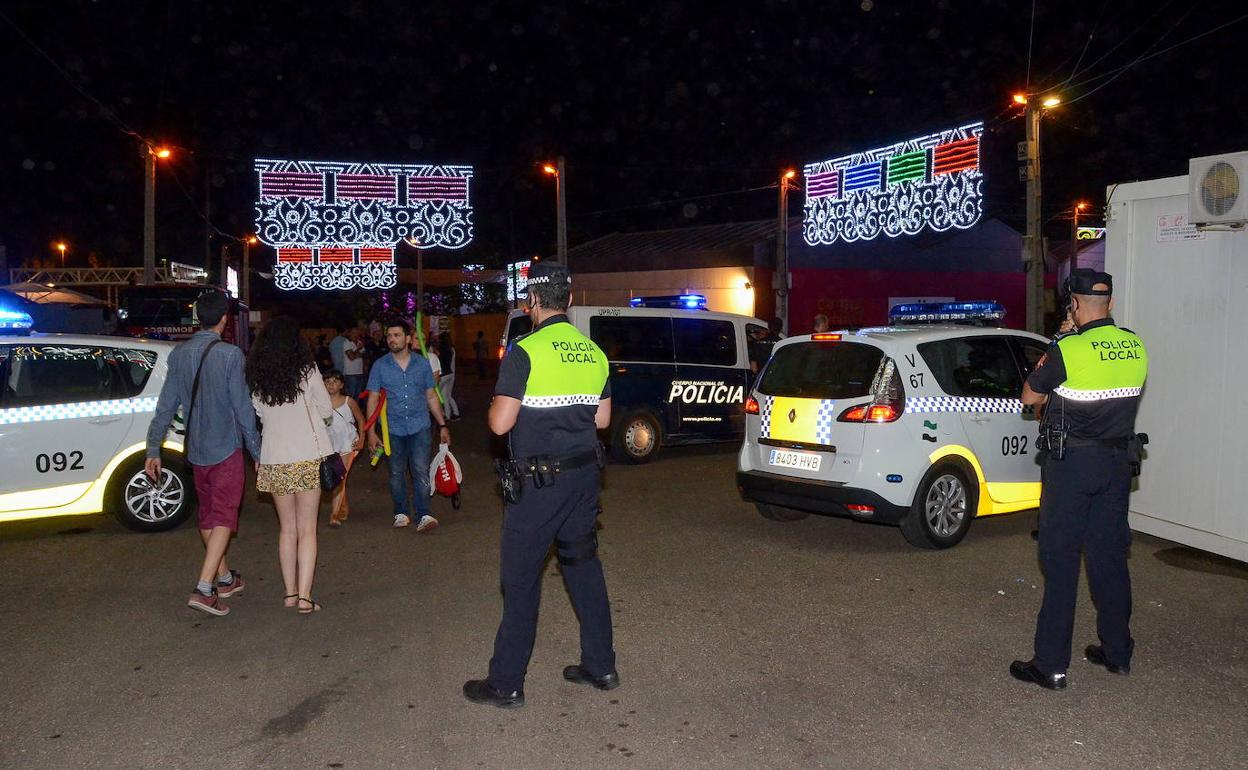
{"x": 15, "y": 321}
{"x": 946, "y": 312}
{"x": 672, "y": 302}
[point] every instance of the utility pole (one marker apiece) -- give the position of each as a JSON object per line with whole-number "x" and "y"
{"x": 245, "y": 287}
{"x": 1033, "y": 244}
{"x": 149, "y": 216}
{"x": 561, "y": 214}
{"x": 225, "y": 267}
{"x": 784, "y": 281}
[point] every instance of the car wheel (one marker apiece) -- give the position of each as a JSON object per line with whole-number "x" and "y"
{"x": 942, "y": 511}
{"x": 780, "y": 513}
{"x": 637, "y": 438}
{"x": 146, "y": 506}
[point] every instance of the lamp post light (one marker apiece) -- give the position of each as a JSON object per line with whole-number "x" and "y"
{"x": 150, "y": 154}
{"x": 783, "y": 280}
{"x": 1034, "y": 107}
{"x": 561, "y": 210}
{"x": 61, "y": 247}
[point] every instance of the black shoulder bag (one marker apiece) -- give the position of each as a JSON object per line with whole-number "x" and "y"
{"x": 190, "y": 411}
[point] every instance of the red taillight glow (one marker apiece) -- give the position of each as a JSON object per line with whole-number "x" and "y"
{"x": 751, "y": 405}
{"x": 854, "y": 414}
{"x": 825, "y": 337}
{"x": 860, "y": 508}
{"x": 870, "y": 413}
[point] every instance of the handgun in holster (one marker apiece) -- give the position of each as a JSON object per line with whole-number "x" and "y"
{"x": 1135, "y": 452}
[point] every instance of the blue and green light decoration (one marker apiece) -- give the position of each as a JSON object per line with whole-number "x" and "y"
{"x": 929, "y": 182}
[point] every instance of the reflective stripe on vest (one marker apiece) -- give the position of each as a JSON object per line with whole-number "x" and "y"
{"x": 565, "y": 368}
{"x": 1102, "y": 363}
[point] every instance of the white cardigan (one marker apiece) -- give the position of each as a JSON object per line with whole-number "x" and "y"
{"x": 293, "y": 431}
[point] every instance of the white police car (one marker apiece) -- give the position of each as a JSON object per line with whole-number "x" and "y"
{"x": 917, "y": 425}
{"x": 74, "y": 412}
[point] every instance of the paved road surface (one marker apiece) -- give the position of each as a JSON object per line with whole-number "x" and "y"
{"x": 742, "y": 643}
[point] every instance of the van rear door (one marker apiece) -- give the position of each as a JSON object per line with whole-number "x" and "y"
{"x": 711, "y": 380}
{"x": 640, "y": 350}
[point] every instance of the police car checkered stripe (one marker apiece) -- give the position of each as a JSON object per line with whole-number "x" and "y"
{"x": 764, "y": 413}
{"x": 48, "y": 412}
{"x": 921, "y": 404}
{"x": 551, "y": 402}
{"x": 1096, "y": 395}
{"x": 824, "y": 417}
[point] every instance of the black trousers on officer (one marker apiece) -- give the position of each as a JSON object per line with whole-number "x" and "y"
{"x": 564, "y": 514}
{"x": 1083, "y": 510}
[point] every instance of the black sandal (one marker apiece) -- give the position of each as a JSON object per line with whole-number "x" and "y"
{"x": 314, "y": 606}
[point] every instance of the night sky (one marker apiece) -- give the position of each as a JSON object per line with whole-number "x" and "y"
{"x": 652, "y": 104}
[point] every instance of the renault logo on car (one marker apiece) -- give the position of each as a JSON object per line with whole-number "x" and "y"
{"x": 792, "y": 415}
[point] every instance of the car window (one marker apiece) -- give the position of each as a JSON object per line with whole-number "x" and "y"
{"x": 1030, "y": 352}
{"x": 979, "y": 367}
{"x": 35, "y": 375}
{"x": 704, "y": 341}
{"x": 821, "y": 370}
{"x": 644, "y": 339}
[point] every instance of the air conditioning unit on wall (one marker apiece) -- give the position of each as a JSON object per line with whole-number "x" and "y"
{"x": 1216, "y": 189}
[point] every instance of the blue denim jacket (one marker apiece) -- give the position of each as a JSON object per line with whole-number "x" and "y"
{"x": 224, "y": 417}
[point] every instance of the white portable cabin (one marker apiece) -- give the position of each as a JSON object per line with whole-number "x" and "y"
{"x": 1184, "y": 289}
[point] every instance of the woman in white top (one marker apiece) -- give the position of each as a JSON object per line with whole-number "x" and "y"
{"x": 294, "y": 410}
{"x": 446, "y": 352}
{"x": 346, "y": 433}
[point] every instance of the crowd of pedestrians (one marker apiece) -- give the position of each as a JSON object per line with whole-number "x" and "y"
{"x": 295, "y": 403}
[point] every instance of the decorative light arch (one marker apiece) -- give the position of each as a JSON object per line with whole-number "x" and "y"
{"x": 335, "y": 225}
{"x": 929, "y": 182}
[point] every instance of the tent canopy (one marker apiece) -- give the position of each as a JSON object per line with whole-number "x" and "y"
{"x": 53, "y": 295}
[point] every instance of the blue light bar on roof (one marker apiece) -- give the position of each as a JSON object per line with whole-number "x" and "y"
{"x": 15, "y": 321}
{"x": 940, "y": 312}
{"x": 676, "y": 301}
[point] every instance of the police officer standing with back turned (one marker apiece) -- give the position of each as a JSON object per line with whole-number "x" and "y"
{"x": 1091, "y": 381}
{"x": 552, "y": 396}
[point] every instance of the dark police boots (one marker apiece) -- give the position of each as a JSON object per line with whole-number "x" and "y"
{"x": 1026, "y": 671}
{"x": 581, "y": 676}
{"x": 1095, "y": 654}
{"x": 479, "y": 691}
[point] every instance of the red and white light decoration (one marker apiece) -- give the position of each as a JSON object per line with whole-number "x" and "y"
{"x": 929, "y": 182}
{"x": 336, "y": 225}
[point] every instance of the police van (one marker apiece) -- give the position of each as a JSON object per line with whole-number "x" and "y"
{"x": 679, "y": 373}
{"x": 74, "y": 413}
{"x": 918, "y": 424}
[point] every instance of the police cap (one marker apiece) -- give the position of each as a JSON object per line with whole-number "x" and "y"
{"x": 549, "y": 273}
{"x": 1083, "y": 280}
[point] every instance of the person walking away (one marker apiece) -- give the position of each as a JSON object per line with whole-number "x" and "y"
{"x": 446, "y": 353}
{"x": 206, "y": 382}
{"x": 410, "y": 401}
{"x": 552, "y": 396}
{"x": 346, "y": 434}
{"x": 294, "y": 409}
{"x": 1090, "y": 383}
{"x": 353, "y": 366}
{"x": 338, "y": 348}
{"x": 480, "y": 350}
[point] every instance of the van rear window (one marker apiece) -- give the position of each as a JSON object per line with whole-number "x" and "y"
{"x": 821, "y": 370}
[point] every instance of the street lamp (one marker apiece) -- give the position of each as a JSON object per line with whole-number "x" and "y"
{"x": 1074, "y": 233}
{"x": 150, "y": 154}
{"x": 61, "y": 247}
{"x": 1034, "y": 106}
{"x": 561, "y": 209}
{"x": 783, "y": 282}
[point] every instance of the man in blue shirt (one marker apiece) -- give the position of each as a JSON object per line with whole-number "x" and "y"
{"x": 338, "y": 348}
{"x": 220, "y": 420}
{"x": 410, "y": 398}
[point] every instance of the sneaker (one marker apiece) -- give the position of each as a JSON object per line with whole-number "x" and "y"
{"x": 235, "y": 586}
{"x": 209, "y": 604}
{"x": 426, "y": 523}
{"x": 401, "y": 520}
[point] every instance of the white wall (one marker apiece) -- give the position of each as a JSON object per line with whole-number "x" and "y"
{"x": 1187, "y": 300}
{"x": 724, "y": 287}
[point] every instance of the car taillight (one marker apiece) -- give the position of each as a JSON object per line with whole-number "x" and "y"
{"x": 502, "y": 351}
{"x": 888, "y": 402}
{"x": 751, "y": 405}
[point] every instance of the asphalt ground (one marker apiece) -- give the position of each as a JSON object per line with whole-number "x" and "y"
{"x": 742, "y": 643}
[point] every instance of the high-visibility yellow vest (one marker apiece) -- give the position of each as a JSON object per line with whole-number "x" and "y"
{"x": 1102, "y": 363}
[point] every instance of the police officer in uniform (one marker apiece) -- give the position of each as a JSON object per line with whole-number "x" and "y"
{"x": 1090, "y": 383}
{"x": 552, "y": 396}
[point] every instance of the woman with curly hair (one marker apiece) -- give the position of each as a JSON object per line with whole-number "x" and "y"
{"x": 294, "y": 408}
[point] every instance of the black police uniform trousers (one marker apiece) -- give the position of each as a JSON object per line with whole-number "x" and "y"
{"x": 564, "y": 514}
{"x": 1083, "y": 508}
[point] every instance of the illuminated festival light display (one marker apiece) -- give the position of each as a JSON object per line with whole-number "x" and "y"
{"x": 929, "y": 182}
{"x": 336, "y": 225}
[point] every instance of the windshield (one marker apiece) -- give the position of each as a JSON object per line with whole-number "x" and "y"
{"x": 821, "y": 370}
{"x": 174, "y": 307}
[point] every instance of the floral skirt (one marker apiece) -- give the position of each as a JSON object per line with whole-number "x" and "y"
{"x": 289, "y": 478}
